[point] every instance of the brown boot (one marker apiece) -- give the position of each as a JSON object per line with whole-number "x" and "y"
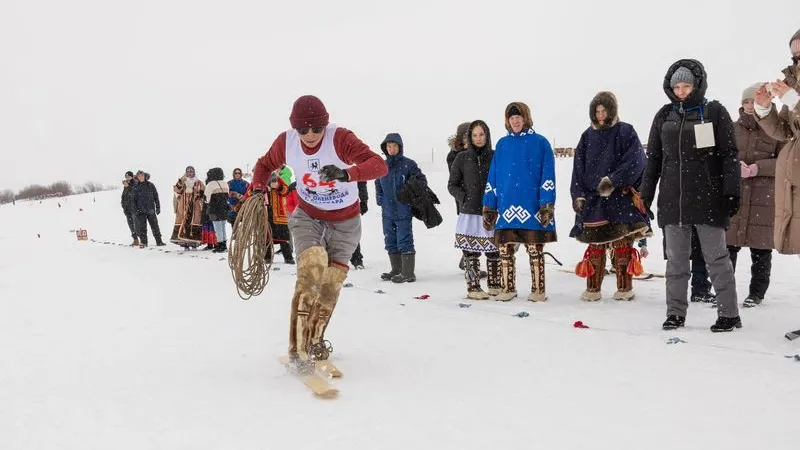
{"x": 472, "y": 274}
{"x": 597, "y": 257}
{"x": 508, "y": 273}
{"x": 330, "y": 288}
{"x": 495, "y": 274}
{"x": 311, "y": 265}
{"x": 622, "y": 256}
{"x": 135, "y": 242}
{"x": 536, "y": 257}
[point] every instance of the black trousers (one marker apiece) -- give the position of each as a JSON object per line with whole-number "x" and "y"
{"x": 142, "y": 219}
{"x": 760, "y": 269}
{"x": 131, "y": 223}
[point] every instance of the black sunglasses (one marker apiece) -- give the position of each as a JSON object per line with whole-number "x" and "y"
{"x": 237, "y": 173}
{"x": 316, "y": 130}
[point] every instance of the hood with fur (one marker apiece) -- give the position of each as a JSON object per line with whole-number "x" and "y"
{"x": 609, "y": 102}
{"x": 700, "y": 82}
{"x": 524, "y": 110}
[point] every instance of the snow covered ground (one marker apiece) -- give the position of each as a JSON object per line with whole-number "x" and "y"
{"x": 109, "y": 347}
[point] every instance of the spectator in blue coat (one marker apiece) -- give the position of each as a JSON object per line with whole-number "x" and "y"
{"x": 237, "y": 187}
{"x": 397, "y": 233}
{"x": 519, "y": 200}
{"x": 609, "y": 214}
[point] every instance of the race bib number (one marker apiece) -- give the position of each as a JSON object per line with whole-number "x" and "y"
{"x": 704, "y": 135}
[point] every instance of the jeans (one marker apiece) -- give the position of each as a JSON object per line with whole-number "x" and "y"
{"x": 220, "y": 230}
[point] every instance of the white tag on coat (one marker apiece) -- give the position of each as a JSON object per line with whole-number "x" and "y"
{"x": 704, "y": 135}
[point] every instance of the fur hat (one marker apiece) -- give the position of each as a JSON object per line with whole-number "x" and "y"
{"x": 308, "y": 112}
{"x": 129, "y": 173}
{"x": 609, "y": 102}
{"x": 682, "y": 75}
{"x": 455, "y": 141}
{"x": 794, "y": 37}
{"x": 523, "y": 110}
{"x": 750, "y": 92}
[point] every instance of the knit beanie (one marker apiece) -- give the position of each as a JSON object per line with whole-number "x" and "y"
{"x": 308, "y": 112}
{"x": 682, "y": 75}
{"x": 513, "y": 111}
{"x": 750, "y": 92}
{"x": 129, "y": 173}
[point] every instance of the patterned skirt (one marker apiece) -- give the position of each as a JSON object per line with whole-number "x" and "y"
{"x": 471, "y": 236}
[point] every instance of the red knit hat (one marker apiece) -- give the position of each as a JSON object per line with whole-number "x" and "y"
{"x": 308, "y": 112}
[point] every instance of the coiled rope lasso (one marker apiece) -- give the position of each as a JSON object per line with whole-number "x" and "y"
{"x": 249, "y": 250}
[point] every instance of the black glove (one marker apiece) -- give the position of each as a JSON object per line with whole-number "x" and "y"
{"x": 577, "y": 205}
{"x": 363, "y": 208}
{"x": 158, "y": 211}
{"x": 731, "y": 205}
{"x": 330, "y": 172}
{"x": 489, "y": 219}
{"x": 546, "y": 214}
{"x": 605, "y": 188}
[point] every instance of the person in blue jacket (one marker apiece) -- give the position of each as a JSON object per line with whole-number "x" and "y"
{"x": 519, "y": 200}
{"x": 397, "y": 233}
{"x": 609, "y": 214}
{"x": 237, "y": 187}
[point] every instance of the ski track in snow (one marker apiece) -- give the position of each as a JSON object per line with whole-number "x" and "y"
{"x": 109, "y": 347}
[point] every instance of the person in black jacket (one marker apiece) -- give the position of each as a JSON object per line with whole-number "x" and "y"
{"x": 467, "y": 183}
{"x": 144, "y": 199}
{"x": 357, "y": 260}
{"x": 217, "y": 207}
{"x": 458, "y": 143}
{"x": 692, "y": 157}
{"x": 127, "y": 207}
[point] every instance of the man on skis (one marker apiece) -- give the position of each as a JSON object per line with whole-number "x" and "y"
{"x": 328, "y": 162}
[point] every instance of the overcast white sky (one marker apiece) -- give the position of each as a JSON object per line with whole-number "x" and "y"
{"x": 91, "y": 88}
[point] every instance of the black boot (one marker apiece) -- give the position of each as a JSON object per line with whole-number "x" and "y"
{"x": 222, "y": 247}
{"x": 674, "y": 322}
{"x": 209, "y": 247}
{"x": 726, "y": 324}
{"x": 397, "y": 263}
{"x": 407, "y": 273}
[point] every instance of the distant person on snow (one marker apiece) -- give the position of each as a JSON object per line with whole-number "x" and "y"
{"x": 519, "y": 200}
{"x": 216, "y": 197}
{"x": 609, "y": 214}
{"x": 398, "y": 234}
{"x": 237, "y": 187}
{"x": 144, "y": 199}
{"x": 692, "y": 158}
{"x": 188, "y": 229}
{"x": 278, "y": 216}
{"x": 357, "y": 260}
{"x": 127, "y": 205}
{"x": 457, "y": 144}
{"x": 328, "y": 161}
{"x": 754, "y": 224}
{"x": 466, "y": 184}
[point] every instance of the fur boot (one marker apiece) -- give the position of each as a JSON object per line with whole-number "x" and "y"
{"x": 597, "y": 258}
{"x": 536, "y": 257}
{"x": 311, "y": 265}
{"x": 494, "y": 273}
{"x": 472, "y": 275}
{"x": 622, "y": 256}
{"x": 508, "y": 273}
{"x": 331, "y": 286}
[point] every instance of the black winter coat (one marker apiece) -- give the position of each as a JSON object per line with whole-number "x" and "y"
{"x": 144, "y": 198}
{"x": 422, "y": 200}
{"x": 468, "y": 179}
{"x": 696, "y": 185}
{"x": 125, "y": 201}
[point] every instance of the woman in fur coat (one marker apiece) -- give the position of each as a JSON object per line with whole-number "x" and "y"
{"x": 188, "y": 231}
{"x": 609, "y": 214}
{"x": 519, "y": 200}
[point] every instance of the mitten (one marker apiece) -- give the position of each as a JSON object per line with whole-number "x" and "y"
{"x": 489, "y": 218}
{"x": 577, "y": 205}
{"x": 605, "y": 188}
{"x": 545, "y": 215}
{"x": 330, "y": 172}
